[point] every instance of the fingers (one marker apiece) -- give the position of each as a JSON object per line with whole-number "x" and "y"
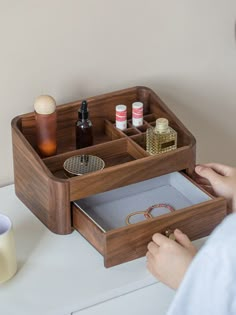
{"x": 151, "y": 264}
{"x": 159, "y": 239}
{"x": 150, "y": 255}
{"x": 204, "y": 183}
{"x": 221, "y": 169}
{"x": 199, "y": 179}
{"x": 208, "y": 173}
{"x": 153, "y": 248}
{"x": 183, "y": 240}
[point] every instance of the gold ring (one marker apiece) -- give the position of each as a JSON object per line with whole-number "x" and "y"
{"x": 145, "y": 213}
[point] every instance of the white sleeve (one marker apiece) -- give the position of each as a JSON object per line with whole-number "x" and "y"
{"x": 209, "y": 286}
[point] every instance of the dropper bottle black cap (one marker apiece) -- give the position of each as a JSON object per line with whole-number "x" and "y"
{"x": 83, "y": 111}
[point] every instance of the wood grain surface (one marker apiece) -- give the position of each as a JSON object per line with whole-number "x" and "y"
{"x": 41, "y": 183}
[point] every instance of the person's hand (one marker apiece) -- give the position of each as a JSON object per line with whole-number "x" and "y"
{"x": 218, "y": 179}
{"x": 168, "y": 260}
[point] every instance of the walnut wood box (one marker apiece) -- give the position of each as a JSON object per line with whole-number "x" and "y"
{"x": 40, "y": 183}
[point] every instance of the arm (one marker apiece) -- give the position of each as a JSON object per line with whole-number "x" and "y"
{"x": 209, "y": 286}
{"x": 168, "y": 260}
{"x": 220, "y": 180}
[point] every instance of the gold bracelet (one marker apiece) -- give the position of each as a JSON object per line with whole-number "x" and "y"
{"x": 160, "y": 205}
{"x": 147, "y": 213}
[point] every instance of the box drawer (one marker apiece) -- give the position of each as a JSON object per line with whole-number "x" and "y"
{"x": 101, "y": 218}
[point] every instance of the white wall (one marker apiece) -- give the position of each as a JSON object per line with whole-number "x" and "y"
{"x": 184, "y": 49}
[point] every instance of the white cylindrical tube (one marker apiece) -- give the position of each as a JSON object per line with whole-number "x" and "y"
{"x": 137, "y": 114}
{"x": 121, "y": 117}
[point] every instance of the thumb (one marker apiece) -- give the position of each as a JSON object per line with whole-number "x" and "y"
{"x": 183, "y": 240}
{"x": 208, "y": 173}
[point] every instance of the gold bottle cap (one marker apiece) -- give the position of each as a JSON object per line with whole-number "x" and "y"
{"x": 45, "y": 104}
{"x": 83, "y": 164}
{"x": 162, "y": 124}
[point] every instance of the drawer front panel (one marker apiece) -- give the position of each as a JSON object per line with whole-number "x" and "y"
{"x": 130, "y": 243}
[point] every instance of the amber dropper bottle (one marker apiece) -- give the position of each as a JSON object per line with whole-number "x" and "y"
{"x": 84, "y": 130}
{"x": 46, "y": 125}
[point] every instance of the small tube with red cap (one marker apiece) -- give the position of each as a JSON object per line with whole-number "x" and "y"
{"x": 121, "y": 117}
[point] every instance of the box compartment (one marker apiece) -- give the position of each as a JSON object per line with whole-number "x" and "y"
{"x": 116, "y": 153}
{"x": 101, "y": 218}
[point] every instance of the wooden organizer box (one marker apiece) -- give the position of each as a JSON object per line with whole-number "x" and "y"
{"x": 42, "y": 186}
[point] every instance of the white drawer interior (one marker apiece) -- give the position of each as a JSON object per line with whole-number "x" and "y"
{"x": 109, "y": 210}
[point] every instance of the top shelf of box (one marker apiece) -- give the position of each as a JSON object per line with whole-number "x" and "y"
{"x": 115, "y": 147}
{"x": 102, "y": 109}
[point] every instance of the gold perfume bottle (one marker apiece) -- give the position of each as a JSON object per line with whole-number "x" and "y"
{"x": 161, "y": 138}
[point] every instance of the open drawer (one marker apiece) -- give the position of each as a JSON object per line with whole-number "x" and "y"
{"x": 102, "y": 218}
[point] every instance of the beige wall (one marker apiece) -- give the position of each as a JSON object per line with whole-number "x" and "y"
{"x": 184, "y": 49}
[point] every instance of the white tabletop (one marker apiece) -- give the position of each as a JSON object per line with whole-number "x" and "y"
{"x": 151, "y": 300}
{"x": 60, "y": 274}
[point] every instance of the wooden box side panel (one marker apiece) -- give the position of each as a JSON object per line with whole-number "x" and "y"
{"x": 88, "y": 229}
{"x": 131, "y": 242}
{"x": 46, "y": 198}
